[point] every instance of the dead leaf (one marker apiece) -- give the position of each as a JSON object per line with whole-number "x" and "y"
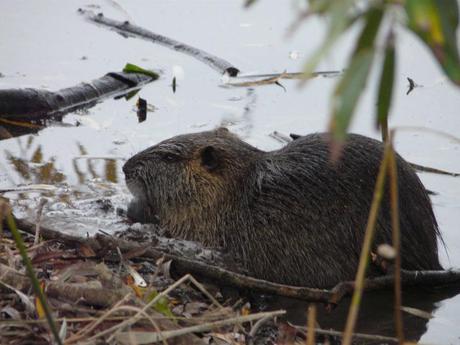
{"x": 86, "y": 251}
{"x": 11, "y": 312}
{"x": 24, "y": 298}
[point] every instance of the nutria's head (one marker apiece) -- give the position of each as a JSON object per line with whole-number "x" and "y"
{"x": 189, "y": 177}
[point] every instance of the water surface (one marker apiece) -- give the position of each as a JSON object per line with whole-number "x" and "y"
{"x": 48, "y": 45}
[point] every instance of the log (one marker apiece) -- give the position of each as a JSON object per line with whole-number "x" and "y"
{"x": 38, "y": 104}
{"x": 127, "y": 29}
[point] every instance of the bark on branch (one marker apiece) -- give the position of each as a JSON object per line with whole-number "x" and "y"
{"x": 220, "y": 276}
{"x": 37, "y": 104}
{"x": 127, "y": 29}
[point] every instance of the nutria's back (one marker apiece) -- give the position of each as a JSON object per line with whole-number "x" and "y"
{"x": 291, "y": 215}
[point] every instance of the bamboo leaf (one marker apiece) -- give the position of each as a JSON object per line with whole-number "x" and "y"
{"x": 162, "y": 306}
{"x": 436, "y": 23}
{"x": 386, "y": 82}
{"x": 339, "y": 21}
{"x": 352, "y": 84}
{"x": 131, "y": 68}
{"x": 249, "y": 3}
{"x": 348, "y": 92}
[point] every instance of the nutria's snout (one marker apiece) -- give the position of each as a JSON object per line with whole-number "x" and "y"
{"x": 133, "y": 175}
{"x": 129, "y": 168}
{"x": 139, "y": 209}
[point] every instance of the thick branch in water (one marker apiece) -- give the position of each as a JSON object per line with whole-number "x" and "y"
{"x": 127, "y": 29}
{"x": 37, "y": 104}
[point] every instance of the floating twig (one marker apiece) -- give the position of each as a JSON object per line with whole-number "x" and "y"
{"x": 423, "y": 168}
{"x": 130, "y": 30}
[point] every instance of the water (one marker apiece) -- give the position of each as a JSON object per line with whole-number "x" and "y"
{"x": 48, "y": 45}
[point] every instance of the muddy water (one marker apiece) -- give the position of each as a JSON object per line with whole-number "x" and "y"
{"x": 48, "y": 45}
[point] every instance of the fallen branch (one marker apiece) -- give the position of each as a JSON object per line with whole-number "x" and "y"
{"x": 408, "y": 279}
{"x": 37, "y": 104}
{"x": 103, "y": 244}
{"x": 292, "y": 75}
{"x": 127, "y": 29}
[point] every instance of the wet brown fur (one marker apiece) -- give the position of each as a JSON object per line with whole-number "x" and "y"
{"x": 290, "y": 215}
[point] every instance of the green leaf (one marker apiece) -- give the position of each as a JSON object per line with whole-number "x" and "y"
{"x": 348, "y": 92}
{"x": 386, "y": 81}
{"x": 339, "y": 21}
{"x": 162, "y": 306}
{"x": 320, "y": 6}
{"x": 436, "y": 23}
{"x": 31, "y": 274}
{"x": 130, "y": 68}
{"x": 131, "y": 94}
{"x": 249, "y": 3}
{"x": 352, "y": 84}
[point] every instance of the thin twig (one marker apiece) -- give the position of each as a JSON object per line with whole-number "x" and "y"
{"x": 257, "y": 326}
{"x": 133, "y": 319}
{"x": 38, "y": 219}
{"x": 363, "y": 336}
{"x": 423, "y": 168}
{"x": 265, "y": 81}
{"x": 149, "y": 337}
{"x": 364, "y": 257}
{"x": 311, "y": 324}
{"x": 204, "y": 291}
{"x": 428, "y": 130}
{"x": 154, "y": 324}
{"x": 85, "y": 330}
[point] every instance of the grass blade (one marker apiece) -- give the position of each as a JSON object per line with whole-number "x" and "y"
{"x": 33, "y": 278}
{"x": 365, "y": 251}
{"x": 352, "y": 84}
{"x": 339, "y": 21}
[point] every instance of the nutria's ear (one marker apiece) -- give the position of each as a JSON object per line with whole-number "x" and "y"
{"x": 222, "y": 130}
{"x": 210, "y": 158}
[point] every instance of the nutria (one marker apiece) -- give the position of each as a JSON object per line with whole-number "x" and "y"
{"x": 290, "y": 215}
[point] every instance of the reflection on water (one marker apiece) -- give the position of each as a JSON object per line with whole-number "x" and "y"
{"x": 32, "y": 168}
{"x": 110, "y": 167}
{"x": 375, "y": 315}
{"x": 86, "y": 207}
{"x": 83, "y": 162}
